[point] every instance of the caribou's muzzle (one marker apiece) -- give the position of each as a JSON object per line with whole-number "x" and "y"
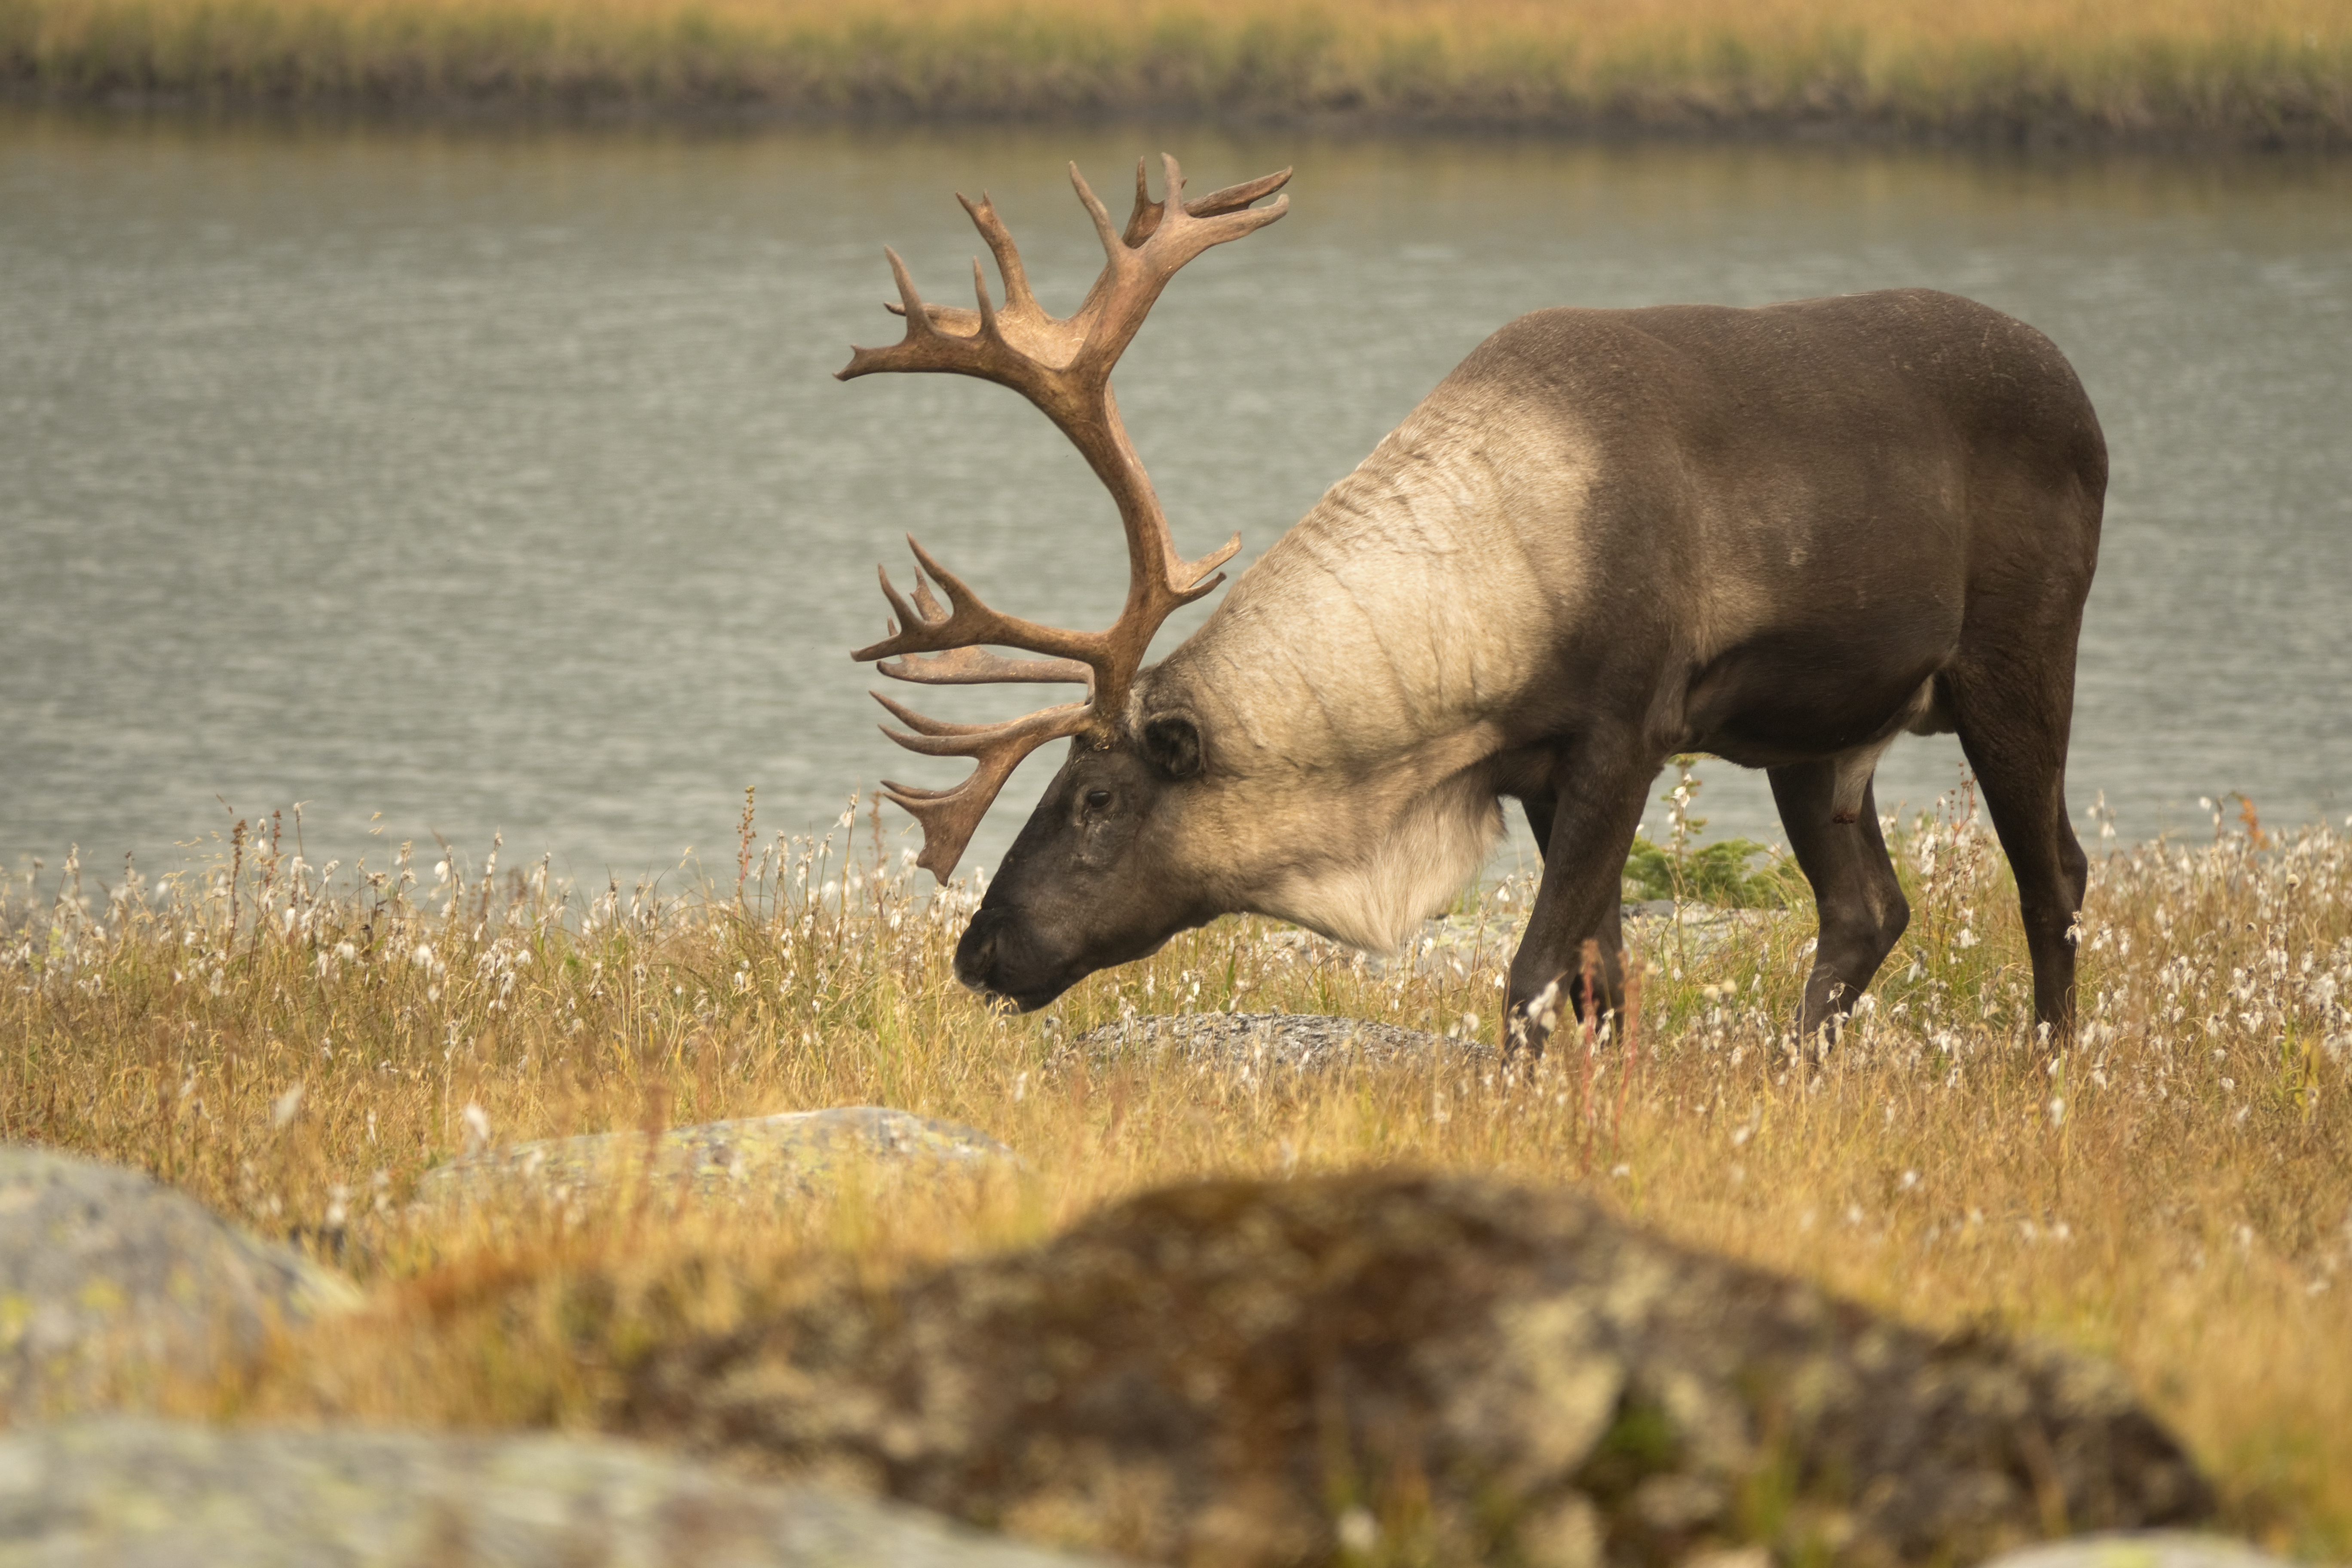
{"x": 999, "y": 958}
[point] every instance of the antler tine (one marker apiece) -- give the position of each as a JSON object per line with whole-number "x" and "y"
{"x": 1232, "y": 198}
{"x": 903, "y": 616}
{"x": 977, "y": 666}
{"x": 999, "y": 240}
{"x": 1146, "y": 216}
{"x": 1112, "y": 242}
{"x": 987, "y": 312}
{"x": 923, "y": 599}
{"x": 1143, "y": 223}
{"x": 968, "y": 621}
{"x": 1190, "y": 579}
{"x": 954, "y": 319}
{"x": 918, "y": 321}
{"x": 951, "y": 815}
{"x": 949, "y": 819}
{"x": 946, "y": 738}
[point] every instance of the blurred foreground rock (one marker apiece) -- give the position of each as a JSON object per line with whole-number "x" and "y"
{"x": 111, "y": 1282}
{"x": 1271, "y": 1044}
{"x": 2140, "y": 1549}
{"x": 124, "y": 1493}
{"x": 1429, "y": 1369}
{"x": 760, "y": 1160}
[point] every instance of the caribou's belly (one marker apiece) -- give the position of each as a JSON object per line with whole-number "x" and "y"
{"x": 1810, "y": 692}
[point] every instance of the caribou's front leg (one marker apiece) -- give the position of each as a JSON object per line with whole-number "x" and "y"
{"x": 1596, "y": 807}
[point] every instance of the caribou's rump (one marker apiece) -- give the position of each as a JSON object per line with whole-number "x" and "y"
{"x": 1807, "y": 501}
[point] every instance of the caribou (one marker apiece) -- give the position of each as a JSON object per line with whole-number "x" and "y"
{"x": 1782, "y": 536}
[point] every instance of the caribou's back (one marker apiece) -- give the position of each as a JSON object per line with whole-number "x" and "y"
{"x": 1765, "y": 527}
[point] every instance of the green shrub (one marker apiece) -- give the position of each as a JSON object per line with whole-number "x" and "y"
{"x": 1722, "y": 873}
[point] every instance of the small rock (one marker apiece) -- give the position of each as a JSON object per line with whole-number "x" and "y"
{"x": 1261, "y": 1374}
{"x": 1265, "y": 1042}
{"x": 125, "y": 1493}
{"x": 111, "y": 1282}
{"x": 761, "y": 1160}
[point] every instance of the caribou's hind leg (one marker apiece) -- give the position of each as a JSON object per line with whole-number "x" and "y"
{"x": 1859, "y": 901}
{"x": 2012, "y": 710}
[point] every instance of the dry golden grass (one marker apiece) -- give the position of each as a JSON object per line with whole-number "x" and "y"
{"x": 2227, "y": 69}
{"x": 2176, "y": 1193}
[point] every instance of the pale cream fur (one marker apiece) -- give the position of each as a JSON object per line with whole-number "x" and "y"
{"x": 1351, "y": 686}
{"x": 1433, "y": 843}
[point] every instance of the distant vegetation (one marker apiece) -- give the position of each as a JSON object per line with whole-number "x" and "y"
{"x": 2202, "y": 70}
{"x": 1724, "y": 875}
{"x": 298, "y": 1045}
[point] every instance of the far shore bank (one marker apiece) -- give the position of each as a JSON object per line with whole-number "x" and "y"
{"x": 2175, "y": 74}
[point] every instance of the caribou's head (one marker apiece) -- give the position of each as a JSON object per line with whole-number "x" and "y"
{"x": 1100, "y": 874}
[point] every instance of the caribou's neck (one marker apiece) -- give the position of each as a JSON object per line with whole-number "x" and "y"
{"x": 1360, "y": 674}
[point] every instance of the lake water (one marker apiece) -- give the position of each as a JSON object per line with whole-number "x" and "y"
{"x": 470, "y": 482}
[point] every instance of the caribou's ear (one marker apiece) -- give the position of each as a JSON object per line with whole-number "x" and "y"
{"x": 1173, "y": 744}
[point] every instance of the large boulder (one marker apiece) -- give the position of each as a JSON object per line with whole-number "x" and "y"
{"x": 1444, "y": 1369}
{"x": 112, "y": 1284}
{"x": 126, "y": 1493}
{"x": 761, "y": 1162}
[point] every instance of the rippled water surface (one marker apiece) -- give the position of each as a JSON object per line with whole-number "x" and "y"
{"x": 495, "y": 481}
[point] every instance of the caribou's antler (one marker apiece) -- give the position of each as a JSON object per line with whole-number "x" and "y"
{"x": 1062, "y": 365}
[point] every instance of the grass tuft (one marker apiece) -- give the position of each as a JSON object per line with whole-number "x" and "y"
{"x": 2252, "y": 71}
{"x": 2175, "y": 1192}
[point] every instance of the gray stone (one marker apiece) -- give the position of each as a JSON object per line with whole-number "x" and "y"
{"x": 1690, "y": 932}
{"x": 1266, "y": 1043}
{"x": 761, "y": 1160}
{"x": 1450, "y": 1369}
{"x": 2140, "y": 1549}
{"x": 127, "y": 1493}
{"x": 112, "y": 1283}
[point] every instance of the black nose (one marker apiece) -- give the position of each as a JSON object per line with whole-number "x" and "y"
{"x": 975, "y": 958}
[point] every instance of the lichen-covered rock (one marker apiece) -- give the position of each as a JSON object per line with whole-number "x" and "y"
{"x": 1443, "y": 1369}
{"x": 760, "y": 1160}
{"x": 2140, "y": 1549}
{"x": 1269, "y": 1044}
{"x": 110, "y": 1283}
{"x": 125, "y": 1493}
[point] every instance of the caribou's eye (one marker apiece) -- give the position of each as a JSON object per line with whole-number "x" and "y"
{"x": 1097, "y": 798}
